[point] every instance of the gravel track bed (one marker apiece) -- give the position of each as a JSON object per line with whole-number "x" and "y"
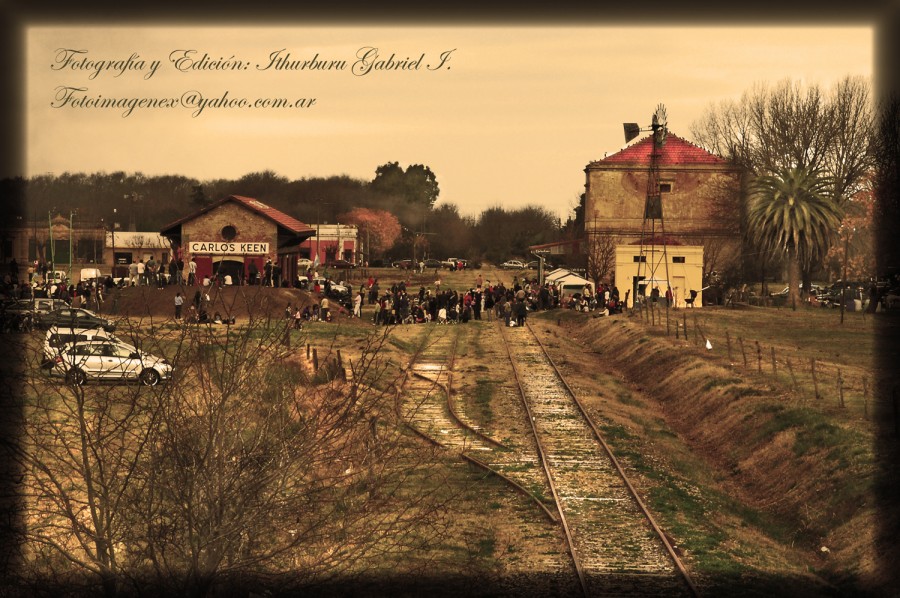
{"x": 619, "y": 551}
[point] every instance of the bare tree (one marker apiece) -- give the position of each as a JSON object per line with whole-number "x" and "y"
{"x": 600, "y": 250}
{"x": 887, "y": 183}
{"x": 247, "y": 466}
{"x": 775, "y": 128}
{"x": 80, "y": 454}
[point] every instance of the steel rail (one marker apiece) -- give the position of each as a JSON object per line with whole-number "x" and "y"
{"x": 631, "y": 489}
{"x": 541, "y": 455}
{"x": 434, "y": 441}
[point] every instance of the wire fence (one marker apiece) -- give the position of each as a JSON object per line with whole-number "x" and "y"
{"x": 847, "y": 389}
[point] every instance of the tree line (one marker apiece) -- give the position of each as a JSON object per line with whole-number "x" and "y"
{"x": 810, "y": 156}
{"x": 397, "y": 207}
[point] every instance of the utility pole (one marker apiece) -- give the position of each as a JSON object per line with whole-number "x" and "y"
{"x": 71, "y": 214}
{"x": 113, "y": 229}
{"x": 52, "y": 244}
{"x": 844, "y": 276}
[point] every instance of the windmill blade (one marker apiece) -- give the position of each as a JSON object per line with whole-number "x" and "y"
{"x": 632, "y": 130}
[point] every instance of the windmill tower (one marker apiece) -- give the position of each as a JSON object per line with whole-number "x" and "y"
{"x": 653, "y": 262}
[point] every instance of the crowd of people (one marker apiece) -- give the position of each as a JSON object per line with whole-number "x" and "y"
{"x": 483, "y": 301}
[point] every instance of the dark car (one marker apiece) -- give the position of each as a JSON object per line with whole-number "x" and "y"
{"x": 71, "y": 317}
{"x": 403, "y": 264}
{"x": 432, "y": 263}
{"x": 340, "y": 265}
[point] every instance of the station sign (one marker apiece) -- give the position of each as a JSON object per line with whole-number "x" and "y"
{"x": 228, "y": 248}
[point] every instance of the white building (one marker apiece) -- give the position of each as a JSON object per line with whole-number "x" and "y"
{"x": 332, "y": 242}
{"x": 682, "y": 271}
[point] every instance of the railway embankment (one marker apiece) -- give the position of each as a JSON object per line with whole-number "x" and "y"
{"x": 807, "y": 470}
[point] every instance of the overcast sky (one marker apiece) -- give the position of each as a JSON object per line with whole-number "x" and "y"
{"x": 503, "y": 116}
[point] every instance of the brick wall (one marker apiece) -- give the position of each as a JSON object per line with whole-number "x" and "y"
{"x": 251, "y": 227}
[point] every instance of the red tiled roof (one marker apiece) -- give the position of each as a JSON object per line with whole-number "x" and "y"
{"x": 289, "y": 222}
{"x": 675, "y": 152}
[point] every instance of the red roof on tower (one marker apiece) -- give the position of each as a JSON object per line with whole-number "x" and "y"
{"x": 675, "y": 152}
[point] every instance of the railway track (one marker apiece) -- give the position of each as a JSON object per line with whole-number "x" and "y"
{"x": 431, "y": 413}
{"x": 616, "y": 546}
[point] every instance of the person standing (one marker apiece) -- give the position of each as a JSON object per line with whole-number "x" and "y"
{"x": 323, "y": 309}
{"x": 357, "y": 305}
{"x": 179, "y": 301}
{"x": 276, "y": 275}
{"x": 267, "y": 273}
{"x": 521, "y": 312}
{"x": 192, "y": 272}
{"x": 132, "y": 272}
{"x": 173, "y": 272}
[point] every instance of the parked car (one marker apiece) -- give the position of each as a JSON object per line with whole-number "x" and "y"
{"x": 108, "y": 359}
{"x": 58, "y": 337}
{"x": 454, "y": 263}
{"x": 403, "y": 264}
{"x": 849, "y": 291}
{"x": 512, "y": 265}
{"x": 92, "y": 274}
{"x": 304, "y": 263}
{"x": 73, "y": 318}
{"x": 432, "y": 263}
{"x": 340, "y": 265}
{"x": 786, "y": 290}
{"x": 37, "y": 306}
{"x": 335, "y": 286}
{"x": 16, "y": 316}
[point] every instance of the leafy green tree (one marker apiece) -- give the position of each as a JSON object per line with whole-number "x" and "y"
{"x": 504, "y": 234}
{"x": 793, "y": 212}
{"x": 415, "y": 185}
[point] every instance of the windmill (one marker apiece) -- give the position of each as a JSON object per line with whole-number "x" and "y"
{"x": 650, "y": 259}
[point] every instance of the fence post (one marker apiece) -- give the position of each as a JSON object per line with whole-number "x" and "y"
{"x": 791, "y": 370}
{"x": 758, "y": 358}
{"x": 676, "y": 330}
{"x": 840, "y": 383}
{"x": 865, "y": 397}
{"x": 339, "y": 360}
{"x": 743, "y": 352}
{"x": 684, "y": 327}
{"x": 774, "y": 364}
{"x": 315, "y": 358}
{"x": 728, "y": 342}
{"x": 812, "y": 363}
{"x": 307, "y": 351}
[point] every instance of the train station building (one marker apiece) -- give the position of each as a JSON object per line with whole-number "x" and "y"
{"x": 236, "y": 235}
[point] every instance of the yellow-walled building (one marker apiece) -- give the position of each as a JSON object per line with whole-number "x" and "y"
{"x": 675, "y": 266}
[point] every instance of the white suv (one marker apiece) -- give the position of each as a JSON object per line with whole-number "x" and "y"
{"x": 108, "y": 360}
{"x": 60, "y": 336}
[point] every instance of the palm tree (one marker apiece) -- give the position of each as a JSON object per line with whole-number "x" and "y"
{"x": 793, "y": 212}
